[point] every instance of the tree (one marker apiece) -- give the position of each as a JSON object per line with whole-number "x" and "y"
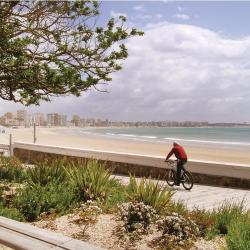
{"x": 52, "y": 48}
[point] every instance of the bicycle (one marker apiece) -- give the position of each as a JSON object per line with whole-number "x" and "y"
{"x": 186, "y": 177}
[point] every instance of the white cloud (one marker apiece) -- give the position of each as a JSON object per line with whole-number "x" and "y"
{"x": 182, "y": 16}
{"x": 158, "y": 16}
{"x": 174, "y": 72}
{"x": 138, "y": 8}
{"x": 117, "y": 14}
{"x": 181, "y": 9}
{"x": 144, "y": 17}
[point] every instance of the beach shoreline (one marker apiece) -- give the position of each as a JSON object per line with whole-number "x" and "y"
{"x": 61, "y": 137}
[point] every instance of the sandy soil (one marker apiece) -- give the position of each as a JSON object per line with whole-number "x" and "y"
{"x": 58, "y": 137}
{"x": 103, "y": 234}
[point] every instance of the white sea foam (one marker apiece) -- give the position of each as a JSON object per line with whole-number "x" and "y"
{"x": 127, "y": 135}
{"x": 209, "y": 142}
{"x": 148, "y": 137}
{"x": 110, "y": 134}
{"x": 162, "y": 139}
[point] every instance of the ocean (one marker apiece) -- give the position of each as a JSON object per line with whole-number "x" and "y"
{"x": 209, "y": 136}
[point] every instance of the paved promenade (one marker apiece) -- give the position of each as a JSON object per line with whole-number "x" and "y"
{"x": 204, "y": 196}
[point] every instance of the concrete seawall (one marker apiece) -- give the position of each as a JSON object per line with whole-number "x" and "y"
{"x": 212, "y": 173}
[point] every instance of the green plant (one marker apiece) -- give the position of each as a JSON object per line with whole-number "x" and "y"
{"x": 36, "y": 199}
{"x": 177, "y": 231}
{"x": 92, "y": 181}
{"x": 11, "y": 213}
{"x": 85, "y": 216}
{"x": 150, "y": 192}
{"x": 223, "y": 216}
{"x": 178, "y": 207}
{"x": 115, "y": 197}
{"x": 11, "y": 169}
{"x": 238, "y": 236}
{"x": 44, "y": 173}
{"x": 203, "y": 219}
{"x": 136, "y": 216}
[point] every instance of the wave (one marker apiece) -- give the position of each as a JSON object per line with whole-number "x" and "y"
{"x": 110, "y": 134}
{"x": 151, "y": 138}
{"x": 148, "y": 137}
{"x": 127, "y": 135}
{"x": 206, "y": 141}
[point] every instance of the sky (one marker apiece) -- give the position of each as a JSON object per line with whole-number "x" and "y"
{"x": 193, "y": 63}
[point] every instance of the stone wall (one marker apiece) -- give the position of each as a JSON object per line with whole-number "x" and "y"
{"x": 123, "y": 168}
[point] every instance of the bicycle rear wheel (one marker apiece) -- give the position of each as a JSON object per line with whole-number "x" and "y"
{"x": 187, "y": 182}
{"x": 170, "y": 177}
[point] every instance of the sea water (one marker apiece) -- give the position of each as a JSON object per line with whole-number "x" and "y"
{"x": 209, "y": 136}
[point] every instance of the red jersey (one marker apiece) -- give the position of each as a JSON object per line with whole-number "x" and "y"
{"x": 179, "y": 153}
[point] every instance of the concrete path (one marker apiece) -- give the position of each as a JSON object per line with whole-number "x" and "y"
{"x": 203, "y": 196}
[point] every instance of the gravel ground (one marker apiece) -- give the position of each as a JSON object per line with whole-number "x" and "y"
{"x": 104, "y": 234}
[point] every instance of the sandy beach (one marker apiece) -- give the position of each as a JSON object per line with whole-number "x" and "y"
{"x": 59, "y": 137}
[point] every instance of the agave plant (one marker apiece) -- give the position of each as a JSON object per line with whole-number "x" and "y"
{"x": 44, "y": 173}
{"x": 92, "y": 181}
{"x": 11, "y": 169}
{"x": 149, "y": 192}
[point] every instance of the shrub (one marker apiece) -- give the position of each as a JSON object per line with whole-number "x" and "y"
{"x": 177, "y": 231}
{"x": 178, "y": 207}
{"x": 85, "y": 216}
{"x": 115, "y": 197}
{"x": 238, "y": 236}
{"x": 136, "y": 216}
{"x": 11, "y": 213}
{"x": 203, "y": 219}
{"x": 223, "y": 216}
{"x": 92, "y": 181}
{"x": 36, "y": 199}
{"x": 44, "y": 173}
{"x": 11, "y": 169}
{"x": 150, "y": 192}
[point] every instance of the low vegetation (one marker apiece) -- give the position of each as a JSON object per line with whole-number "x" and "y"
{"x": 85, "y": 189}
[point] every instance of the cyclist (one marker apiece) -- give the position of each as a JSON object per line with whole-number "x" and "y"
{"x": 181, "y": 156}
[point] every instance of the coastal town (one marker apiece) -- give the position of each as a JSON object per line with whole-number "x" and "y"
{"x": 21, "y": 118}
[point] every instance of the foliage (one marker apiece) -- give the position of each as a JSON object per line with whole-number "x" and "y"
{"x": 223, "y": 216}
{"x": 44, "y": 173}
{"x": 136, "y": 219}
{"x": 203, "y": 219}
{"x": 150, "y": 192}
{"x": 36, "y": 199}
{"x": 11, "y": 169}
{"x": 178, "y": 207}
{"x": 92, "y": 181}
{"x": 85, "y": 216}
{"x": 51, "y": 48}
{"x": 177, "y": 231}
{"x": 117, "y": 196}
{"x": 11, "y": 213}
{"x": 238, "y": 236}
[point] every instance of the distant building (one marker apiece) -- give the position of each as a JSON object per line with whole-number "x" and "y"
{"x": 76, "y": 120}
{"x": 22, "y": 117}
{"x": 38, "y": 119}
{"x": 63, "y": 121}
{"x": 56, "y": 119}
{"x": 9, "y": 115}
{"x": 8, "y": 119}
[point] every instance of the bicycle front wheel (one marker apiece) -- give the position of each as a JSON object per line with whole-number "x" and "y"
{"x": 187, "y": 182}
{"x": 170, "y": 177}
